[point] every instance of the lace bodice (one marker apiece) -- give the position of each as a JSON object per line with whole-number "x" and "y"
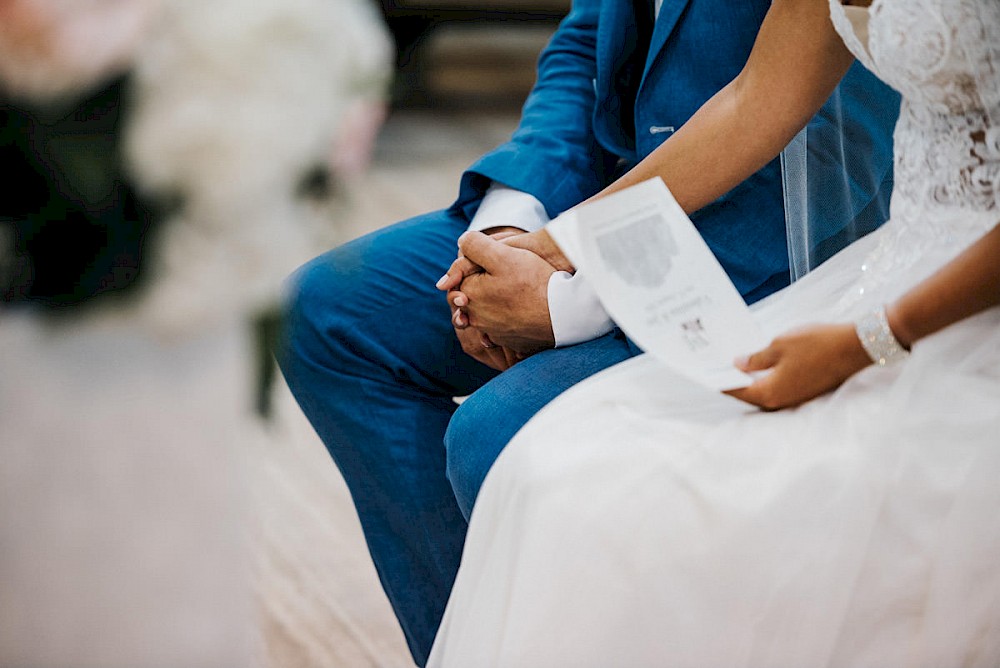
{"x": 943, "y": 56}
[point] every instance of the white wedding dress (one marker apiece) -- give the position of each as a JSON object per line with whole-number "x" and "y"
{"x": 640, "y": 520}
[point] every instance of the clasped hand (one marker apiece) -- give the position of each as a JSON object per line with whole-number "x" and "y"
{"x": 498, "y": 292}
{"x": 498, "y": 286}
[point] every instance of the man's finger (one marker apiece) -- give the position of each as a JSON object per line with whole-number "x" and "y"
{"x": 541, "y": 244}
{"x": 504, "y": 232}
{"x": 488, "y": 253}
{"x": 459, "y": 270}
{"x": 472, "y": 342}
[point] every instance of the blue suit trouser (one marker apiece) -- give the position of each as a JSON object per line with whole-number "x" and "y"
{"x": 371, "y": 356}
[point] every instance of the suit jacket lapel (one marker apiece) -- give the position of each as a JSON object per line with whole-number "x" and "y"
{"x": 616, "y": 20}
{"x": 670, "y": 13}
{"x": 620, "y": 69}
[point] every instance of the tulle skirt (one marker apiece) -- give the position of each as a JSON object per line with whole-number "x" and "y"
{"x": 640, "y": 520}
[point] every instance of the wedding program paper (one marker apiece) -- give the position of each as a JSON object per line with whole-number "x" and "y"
{"x": 660, "y": 282}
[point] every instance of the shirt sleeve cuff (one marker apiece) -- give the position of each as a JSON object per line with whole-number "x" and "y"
{"x": 575, "y": 310}
{"x": 563, "y": 230}
{"x": 503, "y": 206}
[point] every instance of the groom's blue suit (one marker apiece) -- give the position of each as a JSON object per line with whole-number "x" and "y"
{"x": 371, "y": 354}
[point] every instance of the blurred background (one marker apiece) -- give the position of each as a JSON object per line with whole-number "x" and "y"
{"x": 165, "y": 165}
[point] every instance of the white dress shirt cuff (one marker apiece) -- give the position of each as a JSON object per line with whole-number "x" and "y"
{"x": 576, "y": 313}
{"x": 563, "y": 231}
{"x": 503, "y": 206}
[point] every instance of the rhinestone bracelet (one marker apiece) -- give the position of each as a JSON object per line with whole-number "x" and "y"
{"x": 878, "y": 340}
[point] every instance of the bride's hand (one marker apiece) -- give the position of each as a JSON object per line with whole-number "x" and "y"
{"x": 803, "y": 364}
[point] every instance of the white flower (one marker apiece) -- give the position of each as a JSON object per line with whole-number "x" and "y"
{"x": 52, "y": 49}
{"x": 235, "y": 104}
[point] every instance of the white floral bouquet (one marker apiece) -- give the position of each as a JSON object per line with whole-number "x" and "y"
{"x": 224, "y": 120}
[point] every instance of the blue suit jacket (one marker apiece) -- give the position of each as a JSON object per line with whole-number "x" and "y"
{"x": 597, "y": 108}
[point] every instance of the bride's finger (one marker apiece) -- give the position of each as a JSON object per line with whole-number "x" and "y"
{"x": 758, "y": 361}
{"x": 760, "y": 394}
{"x": 743, "y": 394}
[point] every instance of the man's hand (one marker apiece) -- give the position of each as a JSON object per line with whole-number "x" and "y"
{"x": 509, "y": 297}
{"x": 463, "y": 267}
{"x": 539, "y": 243}
{"x": 479, "y": 347}
{"x": 477, "y": 344}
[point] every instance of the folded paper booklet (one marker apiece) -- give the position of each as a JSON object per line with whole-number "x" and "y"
{"x": 660, "y": 282}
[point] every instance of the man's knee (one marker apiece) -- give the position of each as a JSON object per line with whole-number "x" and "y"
{"x": 466, "y": 442}
{"x": 313, "y": 320}
{"x": 333, "y": 297}
{"x": 490, "y": 417}
{"x": 477, "y": 434}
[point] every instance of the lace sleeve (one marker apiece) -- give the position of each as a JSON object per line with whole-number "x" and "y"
{"x": 983, "y": 53}
{"x": 845, "y": 29}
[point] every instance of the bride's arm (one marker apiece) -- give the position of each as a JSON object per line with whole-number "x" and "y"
{"x": 796, "y": 62}
{"x": 965, "y": 286}
{"x": 814, "y": 360}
